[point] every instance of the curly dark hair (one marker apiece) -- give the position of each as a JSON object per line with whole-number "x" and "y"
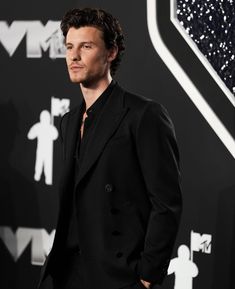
{"x": 102, "y": 20}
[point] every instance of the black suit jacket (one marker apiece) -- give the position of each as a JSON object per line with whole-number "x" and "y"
{"x": 128, "y": 194}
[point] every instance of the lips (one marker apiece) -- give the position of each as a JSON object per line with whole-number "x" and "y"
{"x": 73, "y": 67}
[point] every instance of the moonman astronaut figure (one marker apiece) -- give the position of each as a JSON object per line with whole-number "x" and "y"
{"x": 46, "y": 134}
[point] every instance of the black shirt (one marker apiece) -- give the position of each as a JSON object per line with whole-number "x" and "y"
{"x": 92, "y": 114}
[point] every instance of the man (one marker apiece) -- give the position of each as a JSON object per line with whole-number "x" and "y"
{"x": 120, "y": 192}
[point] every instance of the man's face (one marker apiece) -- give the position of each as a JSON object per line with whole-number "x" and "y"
{"x": 87, "y": 58}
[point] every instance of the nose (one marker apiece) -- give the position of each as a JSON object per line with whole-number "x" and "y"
{"x": 75, "y": 56}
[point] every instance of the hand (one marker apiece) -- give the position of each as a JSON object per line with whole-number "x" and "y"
{"x": 145, "y": 283}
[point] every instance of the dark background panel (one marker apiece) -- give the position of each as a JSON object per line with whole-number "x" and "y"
{"x": 27, "y": 86}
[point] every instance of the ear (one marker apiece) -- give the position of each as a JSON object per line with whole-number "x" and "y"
{"x": 112, "y": 53}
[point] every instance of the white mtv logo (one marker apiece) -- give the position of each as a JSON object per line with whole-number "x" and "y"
{"x": 200, "y": 243}
{"x": 38, "y": 38}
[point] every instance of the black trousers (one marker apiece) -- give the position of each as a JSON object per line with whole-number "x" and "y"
{"x": 71, "y": 278}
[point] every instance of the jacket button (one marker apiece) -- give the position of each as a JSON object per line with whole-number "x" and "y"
{"x": 108, "y": 188}
{"x": 116, "y": 233}
{"x": 119, "y": 254}
{"x": 114, "y": 211}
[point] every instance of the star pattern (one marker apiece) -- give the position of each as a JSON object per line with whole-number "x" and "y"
{"x": 211, "y": 25}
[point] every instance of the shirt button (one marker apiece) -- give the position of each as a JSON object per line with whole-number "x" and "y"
{"x": 119, "y": 254}
{"x": 108, "y": 188}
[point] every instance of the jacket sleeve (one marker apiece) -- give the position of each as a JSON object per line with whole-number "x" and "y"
{"x": 159, "y": 161}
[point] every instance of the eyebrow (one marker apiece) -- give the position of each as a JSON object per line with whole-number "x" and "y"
{"x": 83, "y": 42}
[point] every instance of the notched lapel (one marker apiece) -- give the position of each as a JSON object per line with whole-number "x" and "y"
{"x": 71, "y": 131}
{"x": 107, "y": 123}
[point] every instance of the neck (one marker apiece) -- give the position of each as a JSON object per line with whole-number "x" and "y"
{"x": 93, "y": 91}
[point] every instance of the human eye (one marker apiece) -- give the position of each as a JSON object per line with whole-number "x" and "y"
{"x": 68, "y": 47}
{"x": 87, "y": 45}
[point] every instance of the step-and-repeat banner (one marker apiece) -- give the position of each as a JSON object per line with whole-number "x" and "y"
{"x": 179, "y": 52}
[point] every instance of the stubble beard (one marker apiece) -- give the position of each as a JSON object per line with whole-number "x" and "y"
{"x": 86, "y": 81}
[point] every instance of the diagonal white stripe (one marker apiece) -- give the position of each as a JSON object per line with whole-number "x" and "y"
{"x": 185, "y": 81}
{"x": 199, "y": 55}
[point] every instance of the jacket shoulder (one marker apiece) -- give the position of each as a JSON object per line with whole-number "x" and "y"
{"x": 148, "y": 110}
{"x": 140, "y": 104}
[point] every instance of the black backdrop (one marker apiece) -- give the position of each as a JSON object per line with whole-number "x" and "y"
{"x": 28, "y": 209}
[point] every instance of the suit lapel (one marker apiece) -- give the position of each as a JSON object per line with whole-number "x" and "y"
{"x": 72, "y": 130}
{"x": 106, "y": 124}
{"x": 72, "y": 133}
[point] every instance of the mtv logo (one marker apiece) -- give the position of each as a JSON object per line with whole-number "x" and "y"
{"x": 56, "y": 44}
{"x": 201, "y": 242}
{"x": 174, "y": 43}
{"x": 59, "y": 106}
